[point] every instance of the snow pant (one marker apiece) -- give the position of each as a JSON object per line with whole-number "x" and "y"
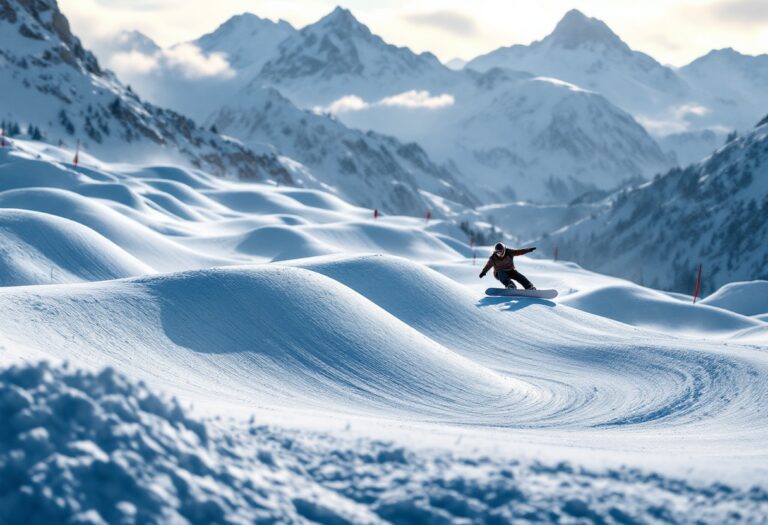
{"x": 506, "y": 277}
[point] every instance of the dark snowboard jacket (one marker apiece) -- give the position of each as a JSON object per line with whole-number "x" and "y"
{"x": 505, "y": 262}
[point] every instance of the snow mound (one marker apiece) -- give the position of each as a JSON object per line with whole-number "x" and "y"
{"x": 281, "y": 242}
{"x": 145, "y": 244}
{"x": 648, "y": 308}
{"x": 745, "y": 298}
{"x": 95, "y": 448}
{"x": 37, "y": 248}
{"x": 362, "y": 237}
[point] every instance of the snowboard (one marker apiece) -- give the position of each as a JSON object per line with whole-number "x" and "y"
{"x": 518, "y": 292}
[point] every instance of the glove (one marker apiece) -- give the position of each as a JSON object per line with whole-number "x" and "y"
{"x": 482, "y": 274}
{"x": 533, "y": 249}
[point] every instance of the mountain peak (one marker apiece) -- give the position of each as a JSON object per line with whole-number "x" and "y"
{"x": 247, "y": 23}
{"x": 341, "y": 13}
{"x": 341, "y": 18}
{"x": 576, "y": 29}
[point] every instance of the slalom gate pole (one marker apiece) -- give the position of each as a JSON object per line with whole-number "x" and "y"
{"x": 698, "y": 284}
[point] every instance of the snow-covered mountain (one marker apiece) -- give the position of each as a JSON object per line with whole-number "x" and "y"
{"x": 549, "y": 141}
{"x": 369, "y": 169}
{"x": 542, "y": 141}
{"x": 51, "y": 82}
{"x": 247, "y": 40}
{"x": 689, "y": 147}
{"x": 515, "y": 136}
{"x": 365, "y": 168}
{"x": 586, "y": 52}
{"x": 689, "y": 110}
{"x": 456, "y": 63}
{"x": 714, "y": 213}
{"x": 124, "y": 42}
{"x": 194, "y": 77}
{"x": 338, "y": 56}
{"x": 737, "y": 86}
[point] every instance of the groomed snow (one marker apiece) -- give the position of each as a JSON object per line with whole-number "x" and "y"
{"x": 293, "y": 307}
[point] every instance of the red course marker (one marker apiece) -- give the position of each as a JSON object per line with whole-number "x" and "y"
{"x": 698, "y": 283}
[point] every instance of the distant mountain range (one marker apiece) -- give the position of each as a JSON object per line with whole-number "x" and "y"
{"x": 719, "y": 92}
{"x": 545, "y": 140}
{"x": 714, "y": 213}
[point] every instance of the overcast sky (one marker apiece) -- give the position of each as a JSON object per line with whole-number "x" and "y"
{"x": 674, "y": 32}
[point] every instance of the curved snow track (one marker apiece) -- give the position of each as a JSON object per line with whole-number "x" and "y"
{"x": 358, "y": 336}
{"x": 384, "y": 336}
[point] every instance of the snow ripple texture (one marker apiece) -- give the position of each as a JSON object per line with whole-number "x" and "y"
{"x": 94, "y": 448}
{"x": 251, "y": 298}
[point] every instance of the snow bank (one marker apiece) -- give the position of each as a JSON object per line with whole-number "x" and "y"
{"x": 95, "y": 447}
{"x": 746, "y": 298}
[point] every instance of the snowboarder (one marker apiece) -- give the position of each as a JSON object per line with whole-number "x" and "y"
{"x": 502, "y": 262}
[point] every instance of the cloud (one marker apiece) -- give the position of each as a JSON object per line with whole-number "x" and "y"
{"x": 133, "y": 62}
{"x": 186, "y": 59}
{"x": 193, "y": 63}
{"x": 743, "y": 11}
{"x": 690, "y": 110}
{"x": 410, "y": 99}
{"x": 344, "y": 105}
{"x": 417, "y": 99}
{"x": 450, "y": 21}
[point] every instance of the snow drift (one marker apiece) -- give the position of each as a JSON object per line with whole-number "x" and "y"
{"x": 96, "y": 447}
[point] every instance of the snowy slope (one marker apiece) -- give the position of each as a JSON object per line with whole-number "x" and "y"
{"x": 526, "y": 220}
{"x": 173, "y": 219}
{"x": 299, "y": 309}
{"x": 713, "y": 213}
{"x": 527, "y": 138}
{"x": 689, "y": 147}
{"x": 49, "y": 81}
{"x": 124, "y": 42}
{"x": 369, "y": 169}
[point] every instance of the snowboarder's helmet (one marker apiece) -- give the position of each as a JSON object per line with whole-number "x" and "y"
{"x": 499, "y": 249}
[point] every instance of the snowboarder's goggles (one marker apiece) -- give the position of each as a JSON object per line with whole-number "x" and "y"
{"x": 499, "y": 251}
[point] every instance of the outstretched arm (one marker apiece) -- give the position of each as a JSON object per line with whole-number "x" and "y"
{"x": 521, "y": 252}
{"x": 486, "y": 267}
